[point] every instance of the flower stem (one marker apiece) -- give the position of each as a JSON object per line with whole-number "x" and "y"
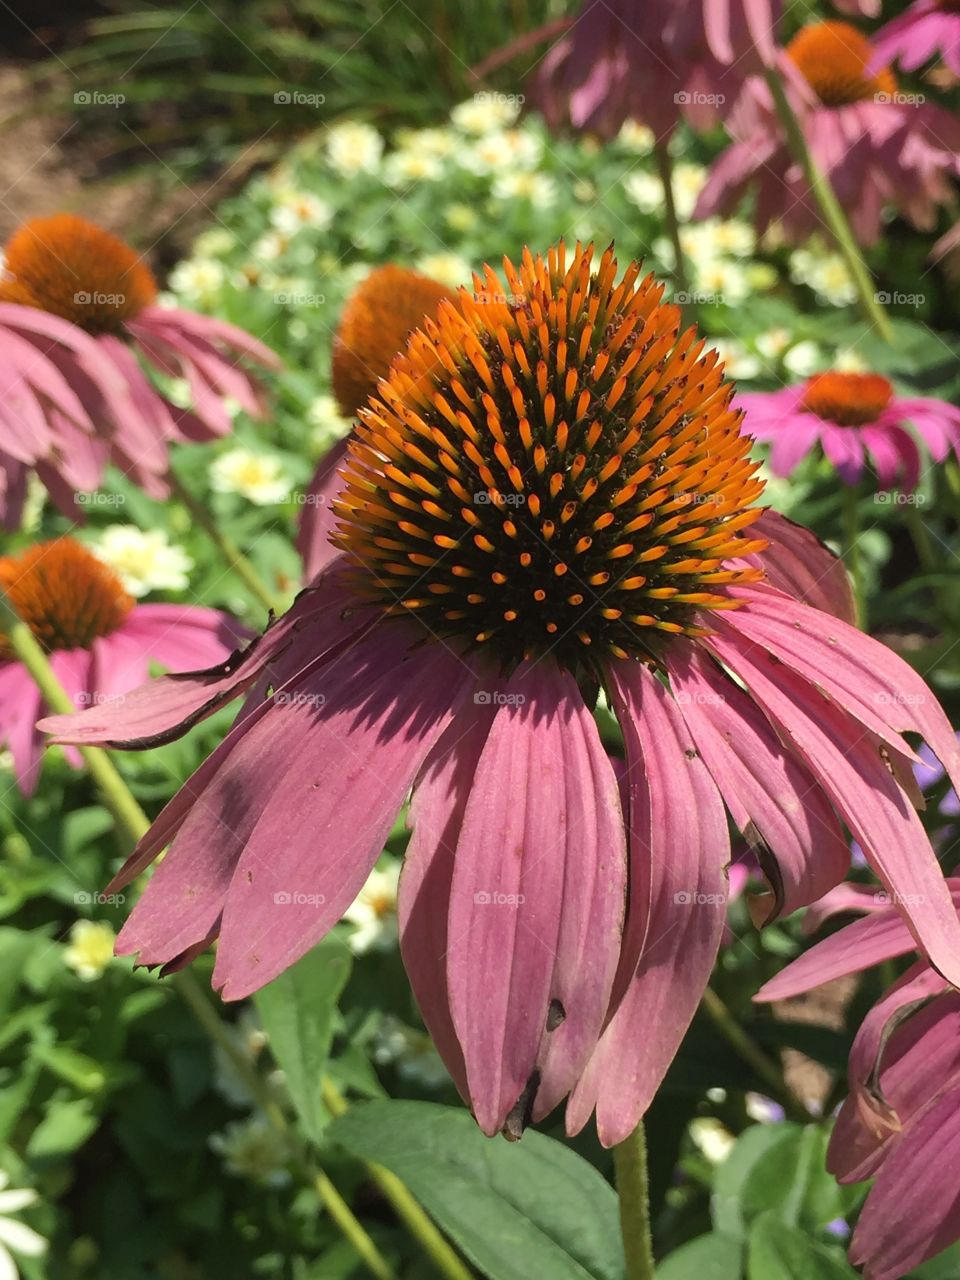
{"x": 343, "y": 1216}
{"x": 234, "y": 557}
{"x": 830, "y": 207}
{"x": 753, "y": 1055}
{"x": 416, "y": 1220}
{"x": 633, "y": 1192}
{"x": 851, "y": 548}
{"x": 920, "y": 536}
{"x": 665, "y": 170}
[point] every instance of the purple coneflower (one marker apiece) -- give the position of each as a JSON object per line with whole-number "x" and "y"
{"x": 548, "y": 495}
{"x": 99, "y": 640}
{"x": 877, "y": 146}
{"x": 928, "y": 29}
{"x": 76, "y": 304}
{"x": 858, "y": 420}
{"x": 900, "y": 1124}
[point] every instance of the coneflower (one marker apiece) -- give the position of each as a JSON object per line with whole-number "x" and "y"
{"x": 77, "y": 308}
{"x": 549, "y": 494}
{"x": 100, "y": 641}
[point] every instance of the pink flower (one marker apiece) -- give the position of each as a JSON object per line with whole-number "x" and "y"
{"x": 99, "y": 641}
{"x": 927, "y": 30}
{"x": 548, "y": 495}
{"x": 878, "y": 148}
{"x": 652, "y": 61}
{"x": 858, "y": 421}
{"x": 900, "y": 1124}
{"x": 76, "y": 303}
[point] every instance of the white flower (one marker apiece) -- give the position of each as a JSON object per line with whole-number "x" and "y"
{"x": 803, "y": 359}
{"x": 737, "y": 361}
{"x": 259, "y": 477}
{"x": 714, "y": 1140}
{"x": 645, "y": 190}
{"x": 254, "y": 1149}
{"x": 510, "y": 149}
{"x": 449, "y": 268}
{"x": 374, "y": 911}
{"x": 460, "y": 217}
{"x": 403, "y": 167}
{"x": 144, "y": 560}
{"x": 636, "y": 137}
{"x": 485, "y": 113}
{"x": 353, "y": 147}
{"x": 825, "y": 273}
{"x": 846, "y": 360}
{"x": 270, "y": 246}
{"x": 328, "y": 423}
{"x": 198, "y": 278}
{"x": 90, "y": 950}
{"x": 773, "y": 342}
{"x": 438, "y": 143}
{"x": 722, "y": 279}
{"x": 688, "y": 182}
{"x": 296, "y": 209}
{"x": 535, "y": 187}
{"x": 214, "y": 243}
{"x": 16, "y": 1237}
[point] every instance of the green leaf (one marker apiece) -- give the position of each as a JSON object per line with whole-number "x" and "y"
{"x": 776, "y": 1251}
{"x": 532, "y": 1208}
{"x": 727, "y": 1207}
{"x": 710, "y": 1257}
{"x": 65, "y": 1127}
{"x": 297, "y": 1013}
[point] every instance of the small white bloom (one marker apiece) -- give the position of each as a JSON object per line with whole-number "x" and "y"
{"x": 198, "y": 278}
{"x": 214, "y": 243}
{"x": 737, "y": 361}
{"x": 90, "y": 950}
{"x": 404, "y": 167}
{"x": 722, "y": 279}
{"x": 803, "y": 359}
{"x": 270, "y": 246}
{"x": 847, "y": 360}
{"x": 645, "y": 190}
{"x": 636, "y": 137}
{"x": 439, "y": 143}
{"x": 15, "y": 1236}
{"x": 688, "y": 182}
{"x": 773, "y": 343}
{"x": 353, "y": 147}
{"x": 296, "y": 209}
{"x": 327, "y": 422}
{"x": 374, "y": 911}
{"x": 258, "y": 477}
{"x": 460, "y": 217}
{"x": 825, "y": 273}
{"x": 538, "y": 188}
{"x": 485, "y": 113}
{"x": 510, "y": 149}
{"x": 714, "y": 1140}
{"x": 449, "y": 268}
{"x": 254, "y": 1149}
{"x": 144, "y": 559}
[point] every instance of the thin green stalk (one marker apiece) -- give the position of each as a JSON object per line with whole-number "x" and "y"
{"x": 830, "y": 207}
{"x": 753, "y": 1055}
{"x": 131, "y": 819}
{"x": 416, "y": 1220}
{"x": 633, "y": 1192}
{"x": 920, "y": 536}
{"x": 850, "y": 497}
{"x": 665, "y": 170}
{"x": 231, "y": 553}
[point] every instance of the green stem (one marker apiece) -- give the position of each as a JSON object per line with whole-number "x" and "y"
{"x": 130, "y": 818}
{"x": 665, "y": 170}
{"x": 231, "y": 553}
{"x": 920, "y": 535}
{"x": 633, "y": 1192}
{"x": 416, "y": 1220}
{"x": 850, "y": 498}
{"x": 753, "y": 1055}
{"x": 830, "y": 207}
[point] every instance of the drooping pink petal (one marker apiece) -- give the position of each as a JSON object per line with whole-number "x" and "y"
{"x": 797, "y": 562}
{"x": 344, "y": 747}
{"x": 20, "y": 704}
{"x": 319, "y": 519}
{"x": 854, "y": 775}
{"x": 184, "y": 637}
{"x": 536, "y": 902}
{"x": 771, "y": 796}
{"x": 843, "y": 899}
{"x": 685, "y": 841}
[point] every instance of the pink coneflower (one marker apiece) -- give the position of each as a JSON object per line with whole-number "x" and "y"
{"x": 77, "y": 306}
{"x": 900, "y": 1124}
{"x": 652, "y": 61}
{"x": 877, "y": 146}
{"x": 928, "y": 29}
{"x": 549, "y": 494}
{"x": 858, "y": 421}
{"x": 100, "y": 642}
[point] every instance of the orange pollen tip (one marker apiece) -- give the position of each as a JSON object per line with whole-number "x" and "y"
{"x": 849, "y": 399}
{"x": 66, "y": 596}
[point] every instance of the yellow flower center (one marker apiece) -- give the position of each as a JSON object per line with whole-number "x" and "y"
{"x": 551, "y": 468}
